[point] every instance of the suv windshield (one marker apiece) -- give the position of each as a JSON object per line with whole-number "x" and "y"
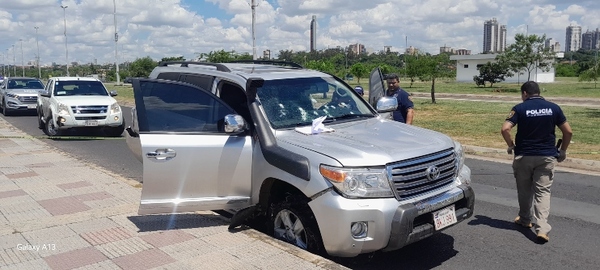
{"x": 24, "y": 84}
{"x": 297, "y": 102}
{"x": 75, "y": 88}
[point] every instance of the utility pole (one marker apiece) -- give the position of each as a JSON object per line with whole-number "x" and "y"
{"x": 116, "y": 44}
{"x": 38, "y": 53}
{"x": 14, "y": 61}
{"x": 7, "y": 60}
{"x": 254, "y": 5}
{"x": 3, "y": 69}
{"x": 66, "y": 48}
{"x": 22, "y": 58}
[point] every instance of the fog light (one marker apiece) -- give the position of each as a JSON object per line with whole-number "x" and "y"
{"x": 62, "y": 120}
{"x": 359, "y": 229}
{"x": 116, "y": 118}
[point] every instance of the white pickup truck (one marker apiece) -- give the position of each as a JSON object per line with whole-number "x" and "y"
{"x": 78, "y": 102}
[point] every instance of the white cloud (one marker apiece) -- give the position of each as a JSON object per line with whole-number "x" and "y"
{"x": 160, "y": 28}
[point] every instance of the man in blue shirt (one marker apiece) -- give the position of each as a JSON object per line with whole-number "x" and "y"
{"x": 405, "y": 111}
{"x": 535, "y": 154}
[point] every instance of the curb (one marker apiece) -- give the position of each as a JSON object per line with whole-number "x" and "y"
{"x": 590, "y": 166}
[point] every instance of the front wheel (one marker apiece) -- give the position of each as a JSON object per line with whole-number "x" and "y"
{"x": 5, "y": 111}
{"x": 292, "y": 221}
{"x": 40, "y": 121}
{"x": 50, "y": 129}
{"x": 114, "y": 131}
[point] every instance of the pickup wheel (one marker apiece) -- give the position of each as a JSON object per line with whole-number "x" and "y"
{"x": 114, "y": 131}
{"x": 40, "y": 122}
{"x": 50, "y": 129}
{"x": 292, "y": 221}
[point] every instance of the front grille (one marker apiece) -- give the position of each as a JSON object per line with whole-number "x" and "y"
{"x": 90, "y": 117}
{"x": 410, "y": 178}
{"x": 89, "y": 109}
{"x": 28, "y": 99}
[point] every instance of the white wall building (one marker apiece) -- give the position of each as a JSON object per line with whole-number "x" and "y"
{"x": 467, "y": 66}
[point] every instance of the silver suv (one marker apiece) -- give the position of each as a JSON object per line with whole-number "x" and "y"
{"x": 19, "y": 94}
{"x": 296, "y": 152}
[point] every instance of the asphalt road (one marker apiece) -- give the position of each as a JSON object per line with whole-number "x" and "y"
{"x": 489, "y": 240}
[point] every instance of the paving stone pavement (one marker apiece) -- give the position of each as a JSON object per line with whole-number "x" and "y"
{"x": 59, "y": 213}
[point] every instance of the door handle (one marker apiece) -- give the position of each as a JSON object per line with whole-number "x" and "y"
{"x": 162, "y": 154}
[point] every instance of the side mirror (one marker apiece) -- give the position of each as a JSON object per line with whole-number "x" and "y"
{"x": 44, "y": 93}
{"x": 234, "y": 123}
{"x": 386, "y": 104}
{"x": 113, "y": 93}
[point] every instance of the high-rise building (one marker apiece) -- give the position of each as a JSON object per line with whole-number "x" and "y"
{"x": 552, "y": 44}
{"x": 494, "y": 37}
{"x": 357, "y": 48}
{"x": 573, "y": 40}
{"x": 313, "y": 33}
{"x": 590, "y": 40}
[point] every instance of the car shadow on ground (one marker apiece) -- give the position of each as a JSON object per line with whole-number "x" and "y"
{"x": 426, "y": 254}
{"x": 152, "y": 223}
{"x": 504, "y": 225}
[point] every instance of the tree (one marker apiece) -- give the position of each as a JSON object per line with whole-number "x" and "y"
{"x": 528, "y": 53}
{"x": 412, "y": 68}
{"x": 435, "y": 67}
{"x": 492, "y": 73}
{"x": 172, "y": 58}
{"x": 142, "y": 67}
{"x": 321, "y": 65}
{"x": 359, "y": 70}
{"x": 223, "y": 56}
{"x": 592, "y": 74}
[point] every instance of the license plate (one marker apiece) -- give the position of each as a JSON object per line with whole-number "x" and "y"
{"x": 91, "y": 123}
{"x": 31, "y": 106}
{"x": 444, "y": 217}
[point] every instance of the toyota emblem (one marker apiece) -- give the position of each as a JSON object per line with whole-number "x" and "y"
{"x": 433, "y": 173}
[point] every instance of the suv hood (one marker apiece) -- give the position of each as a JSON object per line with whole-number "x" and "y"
{"x": 86, "y": 100}
{"x": 25, "y": 92}
{"x": 373, "y": 142}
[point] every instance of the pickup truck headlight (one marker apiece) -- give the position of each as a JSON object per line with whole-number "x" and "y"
{"x": 358, "y": 182}
{"x": 62, "y": 109}
{"x": 463, "y": 173}
{"x": 115, "y": 108}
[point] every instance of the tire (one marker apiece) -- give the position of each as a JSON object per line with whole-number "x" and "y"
{"x": 292, "y": 221}
{"x": 5, "y": 111}
{"x": 41, "y": 124}
{"x": 50, "y": 129}
{"x": 114, "y": 131}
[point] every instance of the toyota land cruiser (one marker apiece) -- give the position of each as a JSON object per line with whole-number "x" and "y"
{"x": 297, "y": 149}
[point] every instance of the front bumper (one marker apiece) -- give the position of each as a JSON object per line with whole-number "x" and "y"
{"x": 391, "y": 224}
{"x": 88, "y": 121}
{"x": 15, "y": 104}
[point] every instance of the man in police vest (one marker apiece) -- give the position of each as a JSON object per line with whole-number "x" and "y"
{"x": 535, "y": 154}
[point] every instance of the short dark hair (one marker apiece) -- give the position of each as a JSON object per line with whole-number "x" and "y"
{"x": 531, "y": 88}
{"x": 392, "y": 76}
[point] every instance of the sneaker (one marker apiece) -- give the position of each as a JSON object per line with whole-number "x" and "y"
{"x": 542, "y": 237}
{"x": 523, "y": 224}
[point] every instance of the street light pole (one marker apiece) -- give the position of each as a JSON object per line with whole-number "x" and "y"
{"x": 38, "y": 52}
{"x": 66, "y": 48}
{"x": 22, "y": 58}
{"x": 14, "y": 61}
{"x": 254, "y": 5}
{"x": 7, "y": 60}
{"x": 116, "y": 44}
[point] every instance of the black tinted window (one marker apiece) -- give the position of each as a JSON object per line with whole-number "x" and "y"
{"x": 25, "y": 84}
{"x": 179, "y": 108}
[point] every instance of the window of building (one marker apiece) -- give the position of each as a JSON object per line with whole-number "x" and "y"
{"x": 466, "y": 66}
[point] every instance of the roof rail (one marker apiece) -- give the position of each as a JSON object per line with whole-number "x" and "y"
{"x": 219, "y": 67}
{"x": 270, "y": 62}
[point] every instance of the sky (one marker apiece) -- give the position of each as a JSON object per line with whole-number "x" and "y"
{"x": 171, "y": 28}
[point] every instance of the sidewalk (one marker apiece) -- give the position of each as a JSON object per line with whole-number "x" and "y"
{"x": 60, "y": 213}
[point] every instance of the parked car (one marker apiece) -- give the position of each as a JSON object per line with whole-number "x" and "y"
{"x": 78, "y": 103}
{"x": 19, "y": 94}
{"x": 273, "y": 143}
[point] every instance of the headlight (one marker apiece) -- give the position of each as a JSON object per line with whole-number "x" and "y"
{"x": 12, "y": 95}
{"x": 358, "y": 182}
{"x": 62, "y": 109}
{"x": 463, "y": 173}
{"x": 115, "y": 108}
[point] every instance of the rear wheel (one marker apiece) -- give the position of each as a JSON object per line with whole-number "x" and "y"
{"x": 50, "y": 129}
{"x": 292, "y": 221}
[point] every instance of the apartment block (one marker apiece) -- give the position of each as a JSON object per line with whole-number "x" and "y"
{"x": 494, "y": 37}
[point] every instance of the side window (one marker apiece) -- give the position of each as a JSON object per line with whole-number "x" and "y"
{"x": 172, "y": 76}
{"x": 172, "y": 107}
{"x": 202, "y": 81}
